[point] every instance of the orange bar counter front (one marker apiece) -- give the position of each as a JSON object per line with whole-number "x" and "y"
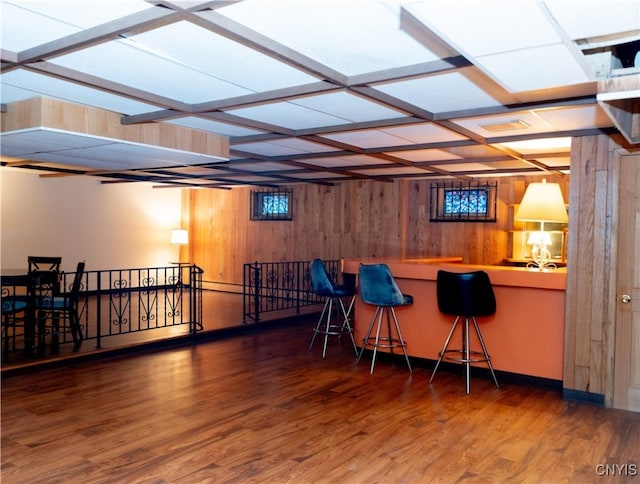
{"x": 525, "y": 336}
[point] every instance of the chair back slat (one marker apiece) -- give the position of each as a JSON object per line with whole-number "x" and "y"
{"x": 44, "y": 263}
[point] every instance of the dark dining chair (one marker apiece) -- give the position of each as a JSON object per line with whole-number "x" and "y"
{"x": 44, "y": 263}
{"x": 53, "y": 306}
{"x": 14, "y": 310}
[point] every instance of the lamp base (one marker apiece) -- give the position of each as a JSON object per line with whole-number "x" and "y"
{"x": 541, "y": 265}
{"x": 541, "y": 255}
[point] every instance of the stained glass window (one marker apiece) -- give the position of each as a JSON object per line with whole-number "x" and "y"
{"x": 463, "y": 201}
{"x": 271, "y": 204}
{"x": 469, "y": 201}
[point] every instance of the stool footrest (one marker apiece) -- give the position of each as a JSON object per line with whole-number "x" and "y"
{"x": 390, "y": 342}
{"x": 481, "y": 356}
{"x": 334, "y": 330}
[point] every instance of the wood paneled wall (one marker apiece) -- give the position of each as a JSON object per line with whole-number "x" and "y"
{"x": 353, "y": 219}
{"x": 591, "y": 271}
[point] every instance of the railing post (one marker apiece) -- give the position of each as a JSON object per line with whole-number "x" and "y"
{"x": 98, "y": 309}
{"x": 298, "y": 291}
{"x": 256, "y": 292}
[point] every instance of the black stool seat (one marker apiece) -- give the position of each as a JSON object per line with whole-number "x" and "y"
{"x": 324, "y": 286}
{"x": 465, "y": 295}
{"x": 379, "y": 288}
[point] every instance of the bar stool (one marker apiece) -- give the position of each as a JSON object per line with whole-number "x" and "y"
{"x": 379, "y": 288}
{"x": 465, "y": 295}
{"x": 323, "y": 286}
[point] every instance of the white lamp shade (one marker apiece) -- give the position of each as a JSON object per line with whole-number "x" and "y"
{"x": 179, "y": 236}
{"x": 542, "y": 202}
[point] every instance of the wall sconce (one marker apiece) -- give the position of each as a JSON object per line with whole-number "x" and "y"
{"x": 179, "y": 236}
{"x": 542, "y": 202}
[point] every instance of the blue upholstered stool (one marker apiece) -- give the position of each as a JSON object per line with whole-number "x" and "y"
{"x": 465, "y": 295}
{"x": 325, "y": 287}
{"x": 379, "y": 288}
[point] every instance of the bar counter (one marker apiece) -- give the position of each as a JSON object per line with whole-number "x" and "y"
{"x": 525, "y": 336}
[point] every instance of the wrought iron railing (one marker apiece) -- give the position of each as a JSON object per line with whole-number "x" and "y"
{"x": 124, "y": 301}
{"x": 277, "y": 286}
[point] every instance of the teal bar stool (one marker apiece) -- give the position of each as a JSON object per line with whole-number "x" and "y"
{"x": 324, "y": 286}
{"x": 379, "y": 288}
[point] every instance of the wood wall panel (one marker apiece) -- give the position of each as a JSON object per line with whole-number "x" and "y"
{"x": 592, "y": 265}
{"x": 364, "y": 219}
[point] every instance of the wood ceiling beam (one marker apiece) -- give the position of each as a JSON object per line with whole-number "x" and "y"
{"x": 248, "y": 123}
{"x": 404, "y": 73}
{"x": 230, "y": 29}
{"x": 131, "y": 24}
{"x": 104, "y": 85}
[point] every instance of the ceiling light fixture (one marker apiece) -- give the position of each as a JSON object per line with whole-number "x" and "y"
{"x": 506, "y": 125}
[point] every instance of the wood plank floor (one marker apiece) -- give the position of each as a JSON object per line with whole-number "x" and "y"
{"x": 260, "y": 407}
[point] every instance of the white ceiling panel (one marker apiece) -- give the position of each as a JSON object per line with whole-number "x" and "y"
{"x": 536, "y": 68}
{"x": 453, "y": 91}
{"x": 478, "y": 28}
{"x": 424, "y": 155}
{"x": 263, "y": 166}
{"x": 352, "y": 37}
{"x": 292, "y": 82}
{"x": 316, "y": 175}
{"x": 287, "y": 146}
{"x": 348, "y": 107}
{"x": 545, "y": 145}
{"x": 392, "y": 171}
{"x": 35, "y": 22}
{"x": 520, "y": 55}
{"x": 528, "y": 122}
{"x": 29, "y": 142}
{"x": 424, "y": 133}
{"x": 222, "y": 58}
{"x": 556, "y": 161}
{"x": 224, "y": 129}
{"x": 597, "y": 18}
{"x": 82, "y": 150}
{"x": 22, "y": 84}
{"x": 576, "y": 117}
{"x": 472, "y": 151}
{"x": 173, "y": 79}
{"x": 462, "y": 167}
{"x": 319, "y": 110}
{"x": 344, "y": 161}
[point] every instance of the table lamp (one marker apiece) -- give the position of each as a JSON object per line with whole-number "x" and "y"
{"x": 542, "y": 202}
{"x": 179, "y": 236}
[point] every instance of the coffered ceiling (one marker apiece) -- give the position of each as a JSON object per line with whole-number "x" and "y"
{"x": 317, "y": 91}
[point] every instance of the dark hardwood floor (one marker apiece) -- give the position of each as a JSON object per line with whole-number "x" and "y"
{"x": 259, "y": 407}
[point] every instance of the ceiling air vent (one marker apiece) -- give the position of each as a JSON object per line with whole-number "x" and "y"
{"x": 506, "y": 125}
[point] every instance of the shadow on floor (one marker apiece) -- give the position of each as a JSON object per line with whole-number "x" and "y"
{"x": 222, "y": 318}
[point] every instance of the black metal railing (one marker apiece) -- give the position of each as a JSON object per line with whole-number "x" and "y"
{"x": 276, "y": 286}
{"x": 125, "y": 301}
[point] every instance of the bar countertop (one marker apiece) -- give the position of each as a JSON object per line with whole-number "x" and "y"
{"x": 525, "y": 336}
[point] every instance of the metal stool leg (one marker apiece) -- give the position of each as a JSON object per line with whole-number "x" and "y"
{"x": 467, "y": 356}
{"x": 317, "y": 329}
{"x": 368, "y": 334}
{"x": 346, "y": 326}
{"x": 486, "y": 353}
{"x": 403, "y": 345}
{"x": 444, "y": 348}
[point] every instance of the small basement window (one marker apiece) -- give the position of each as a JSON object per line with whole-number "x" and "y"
{"x": 272, "y": 204}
